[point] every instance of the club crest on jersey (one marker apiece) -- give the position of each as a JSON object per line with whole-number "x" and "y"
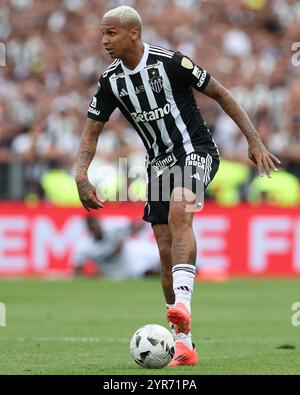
{"x": 156, "y": 83}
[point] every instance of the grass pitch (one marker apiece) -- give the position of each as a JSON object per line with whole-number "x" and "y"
{"x": 84, "y": 326}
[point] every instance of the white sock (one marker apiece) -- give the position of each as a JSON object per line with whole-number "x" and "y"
{"x": 185, "y": 339}
{"x": 183, "y": 283}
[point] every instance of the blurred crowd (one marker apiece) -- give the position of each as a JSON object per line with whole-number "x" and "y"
{"x": 54, "y": 58}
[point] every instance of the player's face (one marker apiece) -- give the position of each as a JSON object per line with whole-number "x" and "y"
{"x": 116, "y": 38}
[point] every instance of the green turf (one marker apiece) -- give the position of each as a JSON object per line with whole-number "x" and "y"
{"x": 84, "y": 326}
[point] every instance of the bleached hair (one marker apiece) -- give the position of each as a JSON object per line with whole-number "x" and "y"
{"x": 126, "y": 15}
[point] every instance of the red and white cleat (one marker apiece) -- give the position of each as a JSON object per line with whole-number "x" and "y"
{"x": 184, "y": 356}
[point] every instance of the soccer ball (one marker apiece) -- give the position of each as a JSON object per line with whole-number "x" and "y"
{"x": 152, "y": 346}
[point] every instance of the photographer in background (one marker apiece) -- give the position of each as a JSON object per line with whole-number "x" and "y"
{"x": 117, "y": 255}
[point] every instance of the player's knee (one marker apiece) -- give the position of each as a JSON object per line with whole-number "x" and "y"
{"x": 179, "y": 219}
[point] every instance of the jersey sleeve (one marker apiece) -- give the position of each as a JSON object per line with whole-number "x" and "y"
{"x": 103, "y": 103}
{"x": 188, "y": 73}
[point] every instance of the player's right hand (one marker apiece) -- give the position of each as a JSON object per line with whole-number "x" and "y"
{"x": 88, "y": 195}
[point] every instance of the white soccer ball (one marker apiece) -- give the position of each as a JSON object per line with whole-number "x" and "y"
{"x": 152, "y": 346}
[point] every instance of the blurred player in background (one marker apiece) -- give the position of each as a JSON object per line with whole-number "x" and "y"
{"x": 115, "y": 252}
{"x": 152, "y": 87}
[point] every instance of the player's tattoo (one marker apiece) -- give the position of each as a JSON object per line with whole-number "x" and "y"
{"x": 87, "y": 192}
{"x": 193, "y": 254}
{"x": 84, "y": 187}
{"x": 85, "y": 156}
{"x": 87, "y": 147}
{"x": 179, "y": 250}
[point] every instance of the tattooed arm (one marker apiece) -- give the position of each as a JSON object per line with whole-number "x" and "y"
{"x": 257, "y": 151}
{"x": 86, "y": 153}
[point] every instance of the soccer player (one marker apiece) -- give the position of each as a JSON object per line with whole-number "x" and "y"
{"x": 152, "y": 87}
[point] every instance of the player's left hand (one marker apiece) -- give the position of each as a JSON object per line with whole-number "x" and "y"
{"x": 263, "y": 159}
{"x": 88, "y": 194}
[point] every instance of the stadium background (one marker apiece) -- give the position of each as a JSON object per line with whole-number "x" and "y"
{"x": 250, "y": 225}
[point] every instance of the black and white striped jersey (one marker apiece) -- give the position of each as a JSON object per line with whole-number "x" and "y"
{"x": 157, "y": 99}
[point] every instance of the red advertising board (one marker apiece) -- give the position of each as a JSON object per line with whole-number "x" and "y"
{"x": 239, "y": 241}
